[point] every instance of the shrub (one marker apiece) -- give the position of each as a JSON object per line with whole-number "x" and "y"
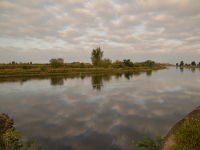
{"x": 149, "y": 143}
{"x": 188, "y": 136}
{"x": 55, "y": 63}
{"x": 11, "y": 141}
{"x": 25, "y": 67}
{"x": 43, "y": 68}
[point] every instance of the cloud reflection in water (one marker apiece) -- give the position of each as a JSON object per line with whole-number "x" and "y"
{"x": 100, "y": 111}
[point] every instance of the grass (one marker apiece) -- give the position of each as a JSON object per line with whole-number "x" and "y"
{"x": 188, "y": 136}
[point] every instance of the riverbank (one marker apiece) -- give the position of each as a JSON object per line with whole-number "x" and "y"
{"x": 19, "y": 72}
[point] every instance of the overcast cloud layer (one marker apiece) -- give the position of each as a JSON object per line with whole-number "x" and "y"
{"x": 167, "y": 31}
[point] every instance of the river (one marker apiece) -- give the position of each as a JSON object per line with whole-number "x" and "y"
{"x": 100, "y": 111}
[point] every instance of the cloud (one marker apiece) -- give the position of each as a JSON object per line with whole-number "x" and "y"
{"x": 132, "y": 26}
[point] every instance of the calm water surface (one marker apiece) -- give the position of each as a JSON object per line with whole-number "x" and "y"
{"x": 100, "y": 111}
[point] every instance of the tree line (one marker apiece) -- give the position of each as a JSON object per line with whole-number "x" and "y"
{"x": 98, "y": 61}
{"x": 193, "y": 63}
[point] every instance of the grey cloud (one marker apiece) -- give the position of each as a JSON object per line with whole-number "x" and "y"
{"x": 105, "y": 9}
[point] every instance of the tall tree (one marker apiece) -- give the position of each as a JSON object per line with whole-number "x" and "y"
{"x": 96, "y": 56}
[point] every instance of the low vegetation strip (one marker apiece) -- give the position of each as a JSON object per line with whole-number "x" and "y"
{"x": 43, "y": 70}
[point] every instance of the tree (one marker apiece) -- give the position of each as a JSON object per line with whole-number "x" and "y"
{"x": 55, "y": 63}
{"x": 118, "y": 64}
{"x": 193, "y": 63}
{"x": 181, "y": 63}
{"x": 149, "y": 63}
{"x": 96, "y": 56}
{"x": 128, "y": 62}
{"x": 106, "y": 62}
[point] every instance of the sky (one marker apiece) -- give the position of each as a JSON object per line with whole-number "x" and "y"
{"x": 37, "y": 31}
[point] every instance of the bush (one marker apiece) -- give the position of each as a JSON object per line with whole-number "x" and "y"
{"x": 25, "y": 67}
{"x": 149, "y": 143}
{"x": 43, "y": 68}
{"x": 11, "y": 141}
{"x": 55, "y": 63}
{"x": 188, "y": 136}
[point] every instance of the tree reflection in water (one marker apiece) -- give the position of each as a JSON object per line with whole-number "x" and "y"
{"x": 97, "y": 81}
{"x": 118, "y": 75}
{"x": 193, "y": 70}
{"x": 149, "y": 72}
{"x": 57, "y": 81}
{"x": 181, "y": 69}
{"x": 128, "y": 75}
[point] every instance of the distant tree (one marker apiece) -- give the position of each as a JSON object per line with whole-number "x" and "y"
{"x": 96, "y": 56}
{"x": 82, "y": 65}
{"x": 75, "y": 62}
{"x": 181, "y": 63}
{"x": 176, "y": 64}
{"x": 149, "y": 63}
{"x": 106, "y": 62}
{"x": 31, "y": 62}
{"x": 136, "y": 64}
{"x": 199, "y": 63}
{"x": 118, "y": 64}
{"x": 193, "y": 63}
{"x": 55, "y": 63}
{"x": 13, "y": 62}
{"x": 128, "y": 62}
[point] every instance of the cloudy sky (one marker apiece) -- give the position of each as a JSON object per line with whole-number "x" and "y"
{"x": 167, "y": 31}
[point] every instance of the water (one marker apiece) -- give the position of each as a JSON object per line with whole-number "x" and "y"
{"x": 100, "y": 111}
